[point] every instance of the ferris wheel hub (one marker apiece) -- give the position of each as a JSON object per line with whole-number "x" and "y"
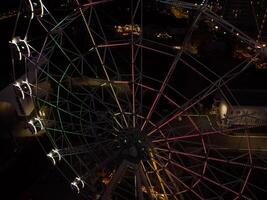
{"x": 133, "y": 144}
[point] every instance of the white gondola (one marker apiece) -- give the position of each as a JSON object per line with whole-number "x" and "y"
{"x": 36, "y": 7}
{"x": 21, "y": 48}
{"x": 54, "y": 154}
{"x": 77, "y": 183}
{"x": 23, "y": 88}
{"x": 36, "y": 125}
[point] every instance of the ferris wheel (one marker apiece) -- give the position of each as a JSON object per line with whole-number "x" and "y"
{"x": 123, "y": 102}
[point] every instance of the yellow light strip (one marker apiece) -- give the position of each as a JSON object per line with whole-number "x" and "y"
{"x": 158, "y": 175}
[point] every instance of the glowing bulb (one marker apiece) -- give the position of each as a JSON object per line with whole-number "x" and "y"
{"x": 223, "y": 108}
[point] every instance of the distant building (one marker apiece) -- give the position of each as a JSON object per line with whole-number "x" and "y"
{"x": 248, "y": 112}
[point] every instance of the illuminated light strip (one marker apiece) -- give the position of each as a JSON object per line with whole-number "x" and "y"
{"x": 42, "y": 8}
{"x": 204, "y": 148}
{"x": 116, "y": 114}
{"x": 169, "y": 176}
{"x": 113, "y": 45}
{"x": 121, "y": 82}
{"x": 187, "y": 187}
{"x": 203, "y": 177}
{"x": 167, "y": 77}
{"x": 132, "y": 65}
{"x": 118, "y": 122}
{"x": 32, "y": 10}
{"x": 250, "y": 166}
{"x": 236, "y": 163}
{"x": 133, "y": 86}
{"x": 115, "y": 82}
{"x": 145, "y": 171}
{"x": 116, "y": 129}
{"x": 17, "y": 84}
{"x": 15, "y": 43}
{"x": 154, "y": 90}
{"x": 158, "y": 175}
{"x": 94, "y": 3}
{"x": 102, "y": 63}
{"x": 34, "y": 128}
{"x": 129, "y": 113}
{"x": 114, "y": 133}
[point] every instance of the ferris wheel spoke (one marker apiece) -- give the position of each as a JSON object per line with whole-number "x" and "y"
{"x": 70, "y": 92}
{"x": 204, "y": 93}
{"x": 201, "y": 64}
{"x": 224, "y": 131}
{"x": 172, "y": 193}
{"x": 102, "y": 63}
{"x": 61, "y": 26}
{"x": 146, "y": 179}
{"x": 71, "y": 63}
{"x": 154, "y": 166}
{"x": 203, "y": 177}
{"x": 154, "y": 50}
{"x": 199, "y": 132}
{"x": 244, "y": 184}
{"x": 60, "y": 84}
{"x": 133, "y": 67}
{"x": 88, "y": 110}
{"x": 61, "y": 109}
{"x": 183, "y": 184}
{"x": 64, "y": 23}
{"x": 110, "y": 45}
{"x": 143, "y": 86}
{"x": 184, "y": 62}
{"x": 172, "y": 69}
{"x": 210, "y": 158}
{"x": 154, "y": 104}
{"x": 66, "y": 132}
